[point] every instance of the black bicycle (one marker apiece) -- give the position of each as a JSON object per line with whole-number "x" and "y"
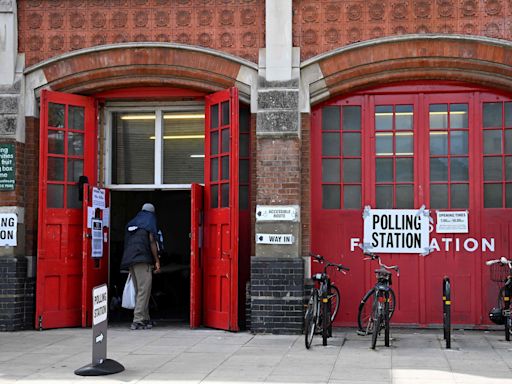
{"x": 378, "y": 304}
{"x": 501, "y": 272}
{"x": 323, "y": 304}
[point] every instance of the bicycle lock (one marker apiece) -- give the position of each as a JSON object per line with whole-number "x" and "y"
{"x": 447, "y": 303}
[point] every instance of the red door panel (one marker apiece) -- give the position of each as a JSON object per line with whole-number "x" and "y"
{"x": 221, "y": 208}
{"x": 195, "y": 255}
{"x": 67, "y": 151}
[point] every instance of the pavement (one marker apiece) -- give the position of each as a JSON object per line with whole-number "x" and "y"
{"x": 177, "y": 354}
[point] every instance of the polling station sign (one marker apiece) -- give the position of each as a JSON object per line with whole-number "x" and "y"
{"x": 8, "y": 229}
{"x": 396, "y": 230}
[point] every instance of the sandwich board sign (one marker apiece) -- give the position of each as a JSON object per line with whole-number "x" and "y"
{"x": 100, "y": 364}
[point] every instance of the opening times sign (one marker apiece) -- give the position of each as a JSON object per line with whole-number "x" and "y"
{"x": 396, "y": 231}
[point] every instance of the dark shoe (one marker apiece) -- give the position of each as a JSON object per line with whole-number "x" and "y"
{"x": 136, "y": 326}
{"x": 149, "y": 324}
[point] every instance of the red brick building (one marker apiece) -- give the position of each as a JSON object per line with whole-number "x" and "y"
{"x": 315, "y": 108}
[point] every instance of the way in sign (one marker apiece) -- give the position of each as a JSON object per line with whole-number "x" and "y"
{"x": 269, "y": 238}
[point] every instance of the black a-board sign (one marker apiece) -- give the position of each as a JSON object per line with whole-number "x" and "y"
{"x": 100, "y": 365}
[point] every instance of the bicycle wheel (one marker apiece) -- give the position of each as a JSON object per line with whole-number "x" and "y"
{"x": 326, "y": 321}
{"x": 310, "y": 318}
{"x": 335, "y": 301}
{"x": 386, "y": 318}
{"x": 504, "y": 303}
{"x": 377, "y": 319}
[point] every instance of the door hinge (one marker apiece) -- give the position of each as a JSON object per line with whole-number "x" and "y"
{"x": 41, "y": 322}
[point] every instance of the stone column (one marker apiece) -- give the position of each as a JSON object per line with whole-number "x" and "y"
{"x": 277, "y": 270}
{"x": 16, "y": 288}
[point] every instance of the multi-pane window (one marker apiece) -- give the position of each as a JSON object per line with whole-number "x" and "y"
{"x": 244, "y": 156}
{"x": 219, "y": 154}
{"x": 449, "y": 155}
{"x": 341, "y": 157}
{"x": 394, "y": 156}
{"x": 497, "y": 154}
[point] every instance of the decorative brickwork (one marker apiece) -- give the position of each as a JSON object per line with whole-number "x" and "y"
{"x": 277, "y": 295}
{"x": 322, "y": 25}
{"x": 49, "y": 28}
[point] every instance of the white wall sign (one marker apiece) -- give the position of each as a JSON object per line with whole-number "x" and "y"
{"x": 98, "y": 198}
{"x": 396, "y": 230}
{"x": 8, "y": 229}
{"x": 452, "y": 222}
{"x": 97, "y": 238}
{"x": 276, "y": 213}
{"x": 274, "y": 238}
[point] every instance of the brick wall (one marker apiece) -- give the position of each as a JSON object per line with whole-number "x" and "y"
{"x": 31, "y": 180}
{"x": 305, "y": 183}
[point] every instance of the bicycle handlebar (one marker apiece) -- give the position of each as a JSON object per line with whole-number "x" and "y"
{"x": 321, "y": 259}
{"x": 373, "y": 256}
{"x": 503, "y": 260}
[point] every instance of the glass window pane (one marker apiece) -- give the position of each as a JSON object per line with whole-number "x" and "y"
{"x": 404, "y": 196}
{"x": 56, "y": 115}
{"x": 183, "y": 149}
{"x": 76, "y": 118}
{"x": 438, "y": 169}
{"x": 384, "y": 196}
{"x": 331, "y": 118}
{"x": 508, "y": 114}
{"x": 225, "y": 140}
{"x": 243, "y": 197}
{"x": 330, "y": 196}
{"x": 133, "y": 156}
{"x": 492, "y": 169}
{"x": 438, "y": 143}
{"x": 508, "y": 141}
{"x": 72, "y": 197}
{"x": 214, "y": 200}
{"x": 352, "y": 197}
{"x": 383, "y": 170}
{"x": 492, "y": 115}
{"x": 404, "y": 170}
{"x": 404, "y": 117}
{"x": 75, "y": 144}
{"x": 214, "y": 116}
{"x": 459, "y": 170}
{"x": 493, "y": 196}
{"x": 384, "y": 144}
{"x": 56, "y": 142}
{"x": 224, "y": 195}
{"x": 214, "y": 143}
{"x": 404, "y": 144}
{"x": 244, "y": 171}
{"x": 55, "y": 169}
{"x": 330, "y": 144}
{"x": 438, "y": 116}
{"x": 244, "y": 145}
{"x": 438, "y": 196}
{"x": 459, "y": 143}
{"x": 214, "y": 169}
{"x": 55, "y": 196}
{"x": 508, "y": 168}
{"x": 351, "y": 117}
{"x": 384, "y": 117}
{"x": 351, "y": 170}
{"x": 351, "y": 144}
{"x": 75, "y": 169}
{"x": 492, "y": 142}
{"x": 458, "y": 116}
{"x": 508, "y": 195}
{"x": 459, "y": 196}
{"x": 225, "y": 168}
{"x": 331, "y": 170}
{"x": 225, "y": 112}
{"x": 244, "y": 120}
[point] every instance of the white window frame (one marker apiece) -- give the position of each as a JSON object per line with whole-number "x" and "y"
{"x": 159, "y": 109}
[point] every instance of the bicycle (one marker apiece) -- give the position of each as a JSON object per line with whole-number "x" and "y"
{"x": 501, "y": 272}
{"x": 378, "y": 304}
{"x": 323, "y": 304}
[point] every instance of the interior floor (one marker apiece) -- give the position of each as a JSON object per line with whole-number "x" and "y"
{"x": 170, "y": 295}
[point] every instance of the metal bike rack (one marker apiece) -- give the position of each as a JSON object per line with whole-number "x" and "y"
{"x": 447, "y": 303}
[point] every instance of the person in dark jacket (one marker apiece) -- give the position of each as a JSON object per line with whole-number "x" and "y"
{"x": 140, "y": 257}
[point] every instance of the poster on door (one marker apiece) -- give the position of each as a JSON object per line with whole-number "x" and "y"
{"x": 396, "y": 230}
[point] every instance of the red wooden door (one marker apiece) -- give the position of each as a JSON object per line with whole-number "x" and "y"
{"x": 221, "y": 207}
{"x": 95, "y": 252}
{"x": 196, "y": 235}
{"x": 67, "y": 151}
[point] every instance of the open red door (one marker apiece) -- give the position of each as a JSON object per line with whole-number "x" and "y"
{"x": 196, "y": 235}
{"x": 220, "y": 250}
{"x": 67, "y": 151}
{"x": 96, "y": 235}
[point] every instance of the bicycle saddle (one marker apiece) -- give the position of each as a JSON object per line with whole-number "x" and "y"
{"x": 382, "y": 271}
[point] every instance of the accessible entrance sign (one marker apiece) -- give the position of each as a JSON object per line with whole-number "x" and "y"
{"x": 100, "y": 364}
{"x": 396, "y": 230}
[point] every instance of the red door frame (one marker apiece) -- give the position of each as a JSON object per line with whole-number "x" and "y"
{"x": 59, "y": 264}
{"x": 196, "y": 275}
{"x": 421, "y": 275}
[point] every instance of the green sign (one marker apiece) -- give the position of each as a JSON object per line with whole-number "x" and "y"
{"x": 7, "y": 167}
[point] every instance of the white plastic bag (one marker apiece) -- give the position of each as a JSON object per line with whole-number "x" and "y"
{"x": 129, "y": 293}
